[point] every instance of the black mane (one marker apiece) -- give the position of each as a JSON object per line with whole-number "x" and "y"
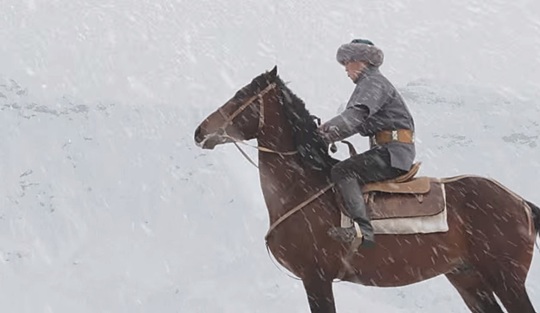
{"x": 311, "y": 147}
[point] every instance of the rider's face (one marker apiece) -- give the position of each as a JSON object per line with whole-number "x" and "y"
{"x": 354, "y": 69}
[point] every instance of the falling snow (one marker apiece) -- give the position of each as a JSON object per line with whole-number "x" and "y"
{"x": 107, "y": 205}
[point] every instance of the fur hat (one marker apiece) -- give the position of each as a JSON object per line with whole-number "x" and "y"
{"x": 360, "y": 50}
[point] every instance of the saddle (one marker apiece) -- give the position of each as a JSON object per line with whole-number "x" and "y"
{"x": 404, "y": 196}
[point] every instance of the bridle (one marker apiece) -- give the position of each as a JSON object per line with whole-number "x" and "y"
{"x": 229, "y": 119}
{"x": 245, "y": 105}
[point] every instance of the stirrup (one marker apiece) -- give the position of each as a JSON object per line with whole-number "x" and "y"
{"x": 345, "y": 234}
{"x": 359, "y": 240}
{"x": 359, "y": 233}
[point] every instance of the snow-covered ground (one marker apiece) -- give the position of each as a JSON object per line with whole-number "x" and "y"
{"x": 106, "y": 204}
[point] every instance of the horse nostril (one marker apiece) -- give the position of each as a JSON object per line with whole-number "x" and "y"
{"x": 198, "y": 134}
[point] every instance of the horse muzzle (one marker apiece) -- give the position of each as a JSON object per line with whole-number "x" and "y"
{"x": 210, "y": 141}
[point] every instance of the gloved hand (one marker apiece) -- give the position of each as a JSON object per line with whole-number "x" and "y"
{"x": 328, "y": 133}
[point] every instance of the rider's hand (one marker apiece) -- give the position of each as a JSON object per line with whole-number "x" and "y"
{"x": 328, "y": 132}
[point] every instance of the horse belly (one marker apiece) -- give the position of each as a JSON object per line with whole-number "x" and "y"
{"x": 382, "y": 277}
{"x": 414, "y": 261}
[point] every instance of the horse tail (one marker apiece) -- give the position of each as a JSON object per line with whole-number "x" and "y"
{"x": 536, "y": 216}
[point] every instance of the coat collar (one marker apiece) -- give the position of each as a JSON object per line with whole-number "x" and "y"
{"x": 365, "y": 73}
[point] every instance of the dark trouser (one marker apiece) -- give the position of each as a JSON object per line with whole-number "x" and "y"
{"x": 350, "y": 174}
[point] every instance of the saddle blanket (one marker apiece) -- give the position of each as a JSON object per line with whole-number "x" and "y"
{"x": 404, "y": 221}
{"x": 406, "y": 225}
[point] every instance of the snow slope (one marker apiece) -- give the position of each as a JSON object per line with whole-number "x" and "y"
{"x": 106, "y": 205}
{"x": 112, "y": 208}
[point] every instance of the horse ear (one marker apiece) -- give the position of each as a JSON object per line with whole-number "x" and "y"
{"x": 273, "y": 72}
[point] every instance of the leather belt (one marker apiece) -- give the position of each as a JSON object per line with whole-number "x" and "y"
{"x": 386, "y": 136}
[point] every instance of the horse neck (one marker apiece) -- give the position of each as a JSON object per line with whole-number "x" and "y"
{"x": 284, "y": 181}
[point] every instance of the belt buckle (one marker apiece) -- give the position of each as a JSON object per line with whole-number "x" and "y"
{"x": 394, "y": 135}
{"x": 373, "y": 141}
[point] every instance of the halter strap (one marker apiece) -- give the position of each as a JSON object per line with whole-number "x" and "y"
{"x": 228, "y": 119}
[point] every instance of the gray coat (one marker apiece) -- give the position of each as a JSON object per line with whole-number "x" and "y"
{"x": 375, "y": 105}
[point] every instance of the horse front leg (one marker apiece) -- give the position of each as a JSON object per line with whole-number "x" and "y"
{"x": 320, "y": 295}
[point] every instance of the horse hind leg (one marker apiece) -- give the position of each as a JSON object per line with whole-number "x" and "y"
{"x": 510, "y": 289}
{"x": 515, "y": 299}
{"x": 320, "y": 295}
{"x": 478, "y": 296}
{"x": 506, "y": 276}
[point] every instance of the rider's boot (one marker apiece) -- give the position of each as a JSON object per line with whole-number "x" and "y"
{"x": 356, "y": 209}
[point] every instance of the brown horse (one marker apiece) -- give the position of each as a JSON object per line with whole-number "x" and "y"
{"x": 487, "y": 250}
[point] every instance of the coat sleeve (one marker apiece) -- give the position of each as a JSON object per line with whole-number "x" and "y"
{"x": 367, "y": 99}
{"x": 370, "y": 94}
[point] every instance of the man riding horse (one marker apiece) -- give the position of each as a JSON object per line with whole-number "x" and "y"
{"x": 377, "y": 110}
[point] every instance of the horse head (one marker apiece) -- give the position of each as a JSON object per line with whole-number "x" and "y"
{"x": 267, "y": 110}
{"x": 241, "y": 117}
